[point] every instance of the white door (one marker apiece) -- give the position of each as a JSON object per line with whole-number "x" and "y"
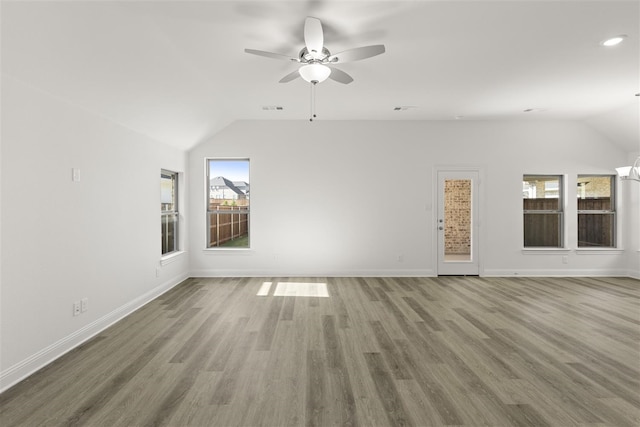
{"x": 457, "y": 222}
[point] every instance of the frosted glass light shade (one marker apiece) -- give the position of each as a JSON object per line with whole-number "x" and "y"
{"x": 314, "y": 72}
{"x": 623, "y": 171}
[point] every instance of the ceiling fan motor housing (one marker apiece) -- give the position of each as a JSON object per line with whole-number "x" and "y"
{"x": 310, "y": 57}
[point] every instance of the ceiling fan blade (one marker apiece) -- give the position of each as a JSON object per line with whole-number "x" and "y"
{"x": 291, "y": 76}
{"x": 357, "y": 54}
{"x": 313, "y": 36}
{"x": 340, "y": 76}
{"x": 271, "y": 55}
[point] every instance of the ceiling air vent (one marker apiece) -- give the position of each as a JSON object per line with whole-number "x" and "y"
{"x": 272, "y": 108}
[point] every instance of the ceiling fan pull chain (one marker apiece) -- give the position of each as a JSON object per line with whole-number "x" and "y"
{"x": 311, "y": 104}
{"x": 313, "y": 101}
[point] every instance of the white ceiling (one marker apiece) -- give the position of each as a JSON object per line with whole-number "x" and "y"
{"x": 176, "y": 70}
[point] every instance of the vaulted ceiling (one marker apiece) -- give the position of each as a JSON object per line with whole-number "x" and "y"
{"x": 177, "y": 71}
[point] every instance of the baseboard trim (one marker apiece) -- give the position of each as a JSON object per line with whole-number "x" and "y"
{"x": 415, "y": 273}
{"x": 310, "y": 273}
{"x": 556, "y": 273}
{"x": 42, "y": 358}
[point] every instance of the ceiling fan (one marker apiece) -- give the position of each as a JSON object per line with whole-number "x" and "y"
{"x": 317, "y": 62}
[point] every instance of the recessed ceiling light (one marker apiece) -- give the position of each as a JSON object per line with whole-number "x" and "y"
{"x": 613, "y": 41}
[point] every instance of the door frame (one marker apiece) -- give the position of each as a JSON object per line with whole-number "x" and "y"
{"x": 478, "y": 232}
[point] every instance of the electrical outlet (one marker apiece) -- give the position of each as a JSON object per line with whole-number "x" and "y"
{"x": 565, "y": 259}
{"x": 84, "y": 304}
{"x": 157, "y": 271}
{"x": 76, "y": 308}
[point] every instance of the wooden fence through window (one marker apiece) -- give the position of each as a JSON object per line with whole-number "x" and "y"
{"x": 543, "y": 229}
{"x": 596, "y": 229}
{"x": 227, "y": 223}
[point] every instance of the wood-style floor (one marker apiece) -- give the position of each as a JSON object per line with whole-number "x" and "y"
{"x": 377, "y": 351}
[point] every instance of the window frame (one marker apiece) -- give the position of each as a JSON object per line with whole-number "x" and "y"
{"x": 612, "y": 211}
{"x": 559, "y": 212}
{"x": 164, "y": 213}
{"x": 241, "y": 211}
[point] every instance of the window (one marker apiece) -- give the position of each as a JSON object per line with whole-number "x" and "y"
{"x": 543, "y": 211}
{"x": 596, "y": 211}
{"x": 228, "y": 203}
{"x": 169, "y": 211}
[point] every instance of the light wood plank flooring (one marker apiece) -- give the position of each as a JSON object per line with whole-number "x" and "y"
{"x": 378, "y": 351}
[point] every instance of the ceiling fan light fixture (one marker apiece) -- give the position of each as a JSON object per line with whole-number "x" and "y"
{"x": 314, "y": 73}
{"x": 631, "y": 173}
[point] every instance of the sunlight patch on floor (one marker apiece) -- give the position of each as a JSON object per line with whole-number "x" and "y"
{"x": 295, "y": 289}
{"x": 264, "y": 289}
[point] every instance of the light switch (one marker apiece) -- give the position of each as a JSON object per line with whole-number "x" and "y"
{"x": 75, "y": 175}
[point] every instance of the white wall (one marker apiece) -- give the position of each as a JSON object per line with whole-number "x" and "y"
{"x": 346, "y": 198}
{"x": 61, "y": 240}
{"x": 631, "y": 192}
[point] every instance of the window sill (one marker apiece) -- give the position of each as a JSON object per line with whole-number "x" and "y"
{"x": 173, "y": 256}
{"x": 228, "y": 251}
{"x": 599, "y": 251}
{"x": 545, "y": 251}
